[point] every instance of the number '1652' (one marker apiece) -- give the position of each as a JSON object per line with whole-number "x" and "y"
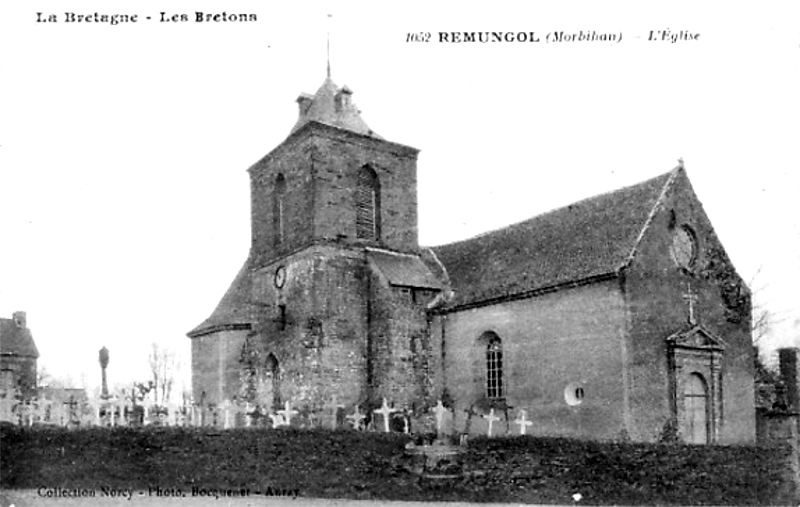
{"x": 418, "y": 37}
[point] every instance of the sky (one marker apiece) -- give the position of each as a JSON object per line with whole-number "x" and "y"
{"x": 124, "y": 213}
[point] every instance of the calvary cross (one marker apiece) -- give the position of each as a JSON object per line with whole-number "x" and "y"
{"x": 691, "y": 299}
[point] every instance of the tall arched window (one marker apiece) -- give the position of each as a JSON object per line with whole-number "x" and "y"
{"x": 278, "y": 218}
{"x": 494, "y": 367}
{"x": 274, "y": 371}
{"x": 368, "y": 205}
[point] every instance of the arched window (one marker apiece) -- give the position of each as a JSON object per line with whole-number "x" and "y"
{"x": 274, "y": 372}
{"x": 695, "y": 406}
{"x": 368, "y": 205}
{"x": 278, "y": 218}
{"x": 494, "y": 367}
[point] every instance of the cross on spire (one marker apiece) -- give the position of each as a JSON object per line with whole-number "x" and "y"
{"x": 691, "y": 299}
{"x": 329, "y": 45}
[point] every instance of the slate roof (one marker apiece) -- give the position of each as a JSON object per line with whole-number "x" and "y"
{"x": 235, "y": 310}
{"x": 403, "y": 270}
{"x": 587, "y": 239}
{"x": 16, "y": 341}
{"x": 321, "y": 107}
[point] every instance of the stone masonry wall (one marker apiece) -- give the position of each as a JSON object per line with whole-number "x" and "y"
{"x": 336, "y": 177}
{"x": 400, "y": 345}
{"x": 320, "y": 168}
{"x": 321, "y": 344}
{"x": 552, "y": 344}
{"x": 215, "y": 365}
{"x": 655, "y": 288}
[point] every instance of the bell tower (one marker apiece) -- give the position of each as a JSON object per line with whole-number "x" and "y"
{"x": 333, "y": 180}
{"x": 334, "y": 288}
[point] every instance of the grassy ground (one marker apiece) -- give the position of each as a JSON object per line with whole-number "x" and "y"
{"x": 348, "y": 464}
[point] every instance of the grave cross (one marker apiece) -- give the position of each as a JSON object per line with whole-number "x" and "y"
{"x": 287, "y": 413}
{"x": 523, "y": 422}
{"x": 334, "y": 406}
{"x": 71, "y": 404}
{"x": 491, "y": 418}
{"x": 406, "y": 424}
{"x": 226, "y": 411}
{"x": 385, "y": 411}
{"x": 277, "y": 420}
{"x": 248, "y": 413}
{"x": 355, "y": 418}
{"x": 440, "y": 410}
{"x": 691, "y": 299}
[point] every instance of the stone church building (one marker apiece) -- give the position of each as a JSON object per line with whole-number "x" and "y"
{"x": 18, "y": 356}
{"x": 619, "y": 316}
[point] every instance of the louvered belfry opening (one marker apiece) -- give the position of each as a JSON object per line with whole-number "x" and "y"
{"x": 368, "y": 205}
{"x": 278, "y": 218}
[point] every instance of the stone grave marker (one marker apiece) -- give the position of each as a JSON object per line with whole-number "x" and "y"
{"x": 356, "y": 419}
{"x": 523, "y": 422}
{"x": 385, "y": 411}
{"x": 491, "y": 419}
{"x": 287, "y": 413}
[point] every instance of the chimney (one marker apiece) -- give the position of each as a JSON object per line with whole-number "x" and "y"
{"x": 789, "y": 377}
{"x": 20, "y": 319}
{"x": 304, "y": 103}
{"x": 341, "y": 100}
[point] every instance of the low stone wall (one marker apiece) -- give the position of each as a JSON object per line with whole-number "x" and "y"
{"x": 776, "y": 428}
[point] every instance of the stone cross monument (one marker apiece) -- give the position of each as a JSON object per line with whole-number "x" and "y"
{"x": 103, "y": 366}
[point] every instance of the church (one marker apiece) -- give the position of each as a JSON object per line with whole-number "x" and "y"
{"x": 616, "y": 317}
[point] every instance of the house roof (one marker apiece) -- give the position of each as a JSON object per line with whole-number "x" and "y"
{"x": 15, "y": 340}
{"x": 403, "y": 269}
{"x": 587, "y": 239}
{"x": 235, "y": 310}
{"x": 322, "y": 107}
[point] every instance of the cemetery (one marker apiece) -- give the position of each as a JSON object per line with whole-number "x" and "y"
{"x": 123, "y": 439}
{"x": 369, "y": 455}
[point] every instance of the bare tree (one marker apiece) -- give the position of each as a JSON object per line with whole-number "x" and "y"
{"x": 163, "y": 364}
{"x": 762, "y": 318}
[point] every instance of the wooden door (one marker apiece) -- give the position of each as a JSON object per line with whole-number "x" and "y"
{"x": 695, "y": 413}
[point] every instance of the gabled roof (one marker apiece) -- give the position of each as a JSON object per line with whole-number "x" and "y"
{"x": 235, "y": 310}
{"x": 403, "y": 269}
{"x": 590, "y": 238}
{"x": 322, "y": 107}
{"x": 15, "y": 340}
